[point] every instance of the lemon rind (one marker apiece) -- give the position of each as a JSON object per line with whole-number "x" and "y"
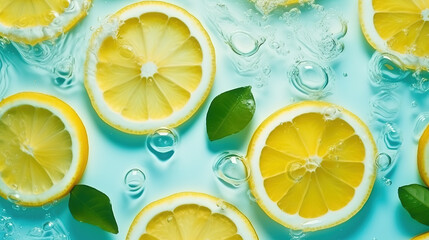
{"x": 423, "y": 156}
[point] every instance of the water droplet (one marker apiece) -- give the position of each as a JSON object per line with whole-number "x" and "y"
{"x": 63, "y": 72}
{"x": 296, "y": 171}
{"x": 385, "y": 106}
{"x": 135, "y": 181}
{"x": 392, "y": 138}
{"x": 420, "y": 125}
{"x": 162, "y": 141}
{"x": 296, "y": 234}
{"x": 221, "y": 204}
{"x": 421, "y": 80}
{"x": 309, "y": 78}
{"x": 9, "y": 227}
{"x": 331, "y": 113}
{"x": 387, "y": 181}
{"x": 334, "y": 24}
{"x": 345, "y": 74}
{"x": 48, "y": 226}
{"x": 385, "y": 69}
{"x": 383, "y": 162}
{"x": 244, "y": 44}
{"x": 251, "y": 196}
{"x": 169, "y": 219}
{"x": 231, "y": 169}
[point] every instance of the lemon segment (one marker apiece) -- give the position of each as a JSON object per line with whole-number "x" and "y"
{"x": 190, "y": 216}
{"x": 423, "y": 156}
{"x": 311, "y": 171}
{"x": 398, "y": 27}
{"x": 151, "y": 66}
{"x": 45, "y": 148}
{"x": 34, "y": 21}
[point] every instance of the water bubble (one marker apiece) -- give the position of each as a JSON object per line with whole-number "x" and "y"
{"x": 244, "y": 44}
{"x": 9, "y": 227}
{"x": 385, "y": 106}
{"x": 162, "y": 141}
{"x": 63, "y": 72}
{"x": 231, "y": 169}
{"x": 135, "y": 181}
{"x": 392, "y": 137}
{"x": 345, "y": 74}
{"x": 296, "y": 234}
{"x": 291, "y": 16}
{"x": 35, "y": 232}
{"x": 386, "y": 69}
{"x": 383, "y": 162}
{"x": 48, "y": 226}
{"x": 331, "y": 113}
{"x": 169, "y": 219}
{"x": 309, "y": 78}
{"x": 387, "y": 181}
{"x": 296, "y": 171}
{"x": 334, "y": 24}
{"x": 420, "y": 125}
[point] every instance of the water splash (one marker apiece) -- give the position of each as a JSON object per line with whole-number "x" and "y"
{"x": 63, "y": 72}
{"x": 231, "y": 169}
{"x": 163, "y": 142}
{"x": 53, "y": 230}
{"x": 392, "y": 137}
{"x": 386, "y": 70}
{"x": 384, "y": 106}
{"x": 420, "y": 125}
{"x": 310, "y": 79}
{"x": 135, "y": 181}
{"x": 421, "y": 78}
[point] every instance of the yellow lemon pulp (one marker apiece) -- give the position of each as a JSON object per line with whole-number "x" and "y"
{"x": 190, "y": 216}
{"x": 423, "y": 156}
{"x": 24, "y": 13}
{"x": 403, "y": 24}
{"x": 310, "y": 166}
{"x": 38, "y": 149}
{"x": 33, "y": 21}
{"x": 155, "y": 71}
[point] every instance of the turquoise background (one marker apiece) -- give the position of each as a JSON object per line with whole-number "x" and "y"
{"x": 113, "y": 153}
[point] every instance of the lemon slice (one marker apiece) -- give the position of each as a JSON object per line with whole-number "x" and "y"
{"x": 423, "y": 156}
{"x": 423, "y": 236}
{"x": 152, "y": 65}
{"x": 191, "y": 216}
{"x": 312, "y": 165}
{"x": 34, "y": 21}
{"x": 44, "y": 148}
{"x": 398, "y": 27}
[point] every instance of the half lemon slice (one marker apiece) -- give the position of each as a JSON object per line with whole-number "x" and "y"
{"x": 34, "y": 21}
{"x": 191, "y": 216}
{"x": 398, "y": 27}
{"x": 43, "y": 148}
{"x": 152, "y": 65}
{"x": 312, "y": 165}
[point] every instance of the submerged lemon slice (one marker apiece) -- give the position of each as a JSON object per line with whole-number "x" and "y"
{"x": 423, "y": 156}
{"x": 43, "y": 148}
{"x": 151, "y": 66}
{"x": 423, "y": 236}
{"x": 312, "y": 164}
{"x": 33, "y": 21}
{"x": 191, "y": 216}
{"x": 398, "y": 27}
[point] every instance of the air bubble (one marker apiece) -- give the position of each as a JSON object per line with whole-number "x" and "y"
{"x": 163, "y": 142}
{"x": 309, "y": 78}
{"x": 385, "y": 106}
{"x": 420, "y": 125}
{"x": 296, "y": 171}
{"x": 383, "y": 162}
{"x": 135, "y": 181}
{"x": 331, "y": 113}
{"x": 231, "y": 169}
{"x": 334, "y": 24}
{"x": 35, "y": 232}
{"x": 392, "y": 137}
{"x": 386, "y": 69}
{"x": 244, "y": 44}
{"x": 421, "y": 80}
{"x": 387, "y": 181}
{"x": 48, "y": 226}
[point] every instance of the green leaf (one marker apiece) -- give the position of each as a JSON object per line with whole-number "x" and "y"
{"x": 91, "y": 206}
{"x": 415, "y": 199}
{"x": 230, "y": 112}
